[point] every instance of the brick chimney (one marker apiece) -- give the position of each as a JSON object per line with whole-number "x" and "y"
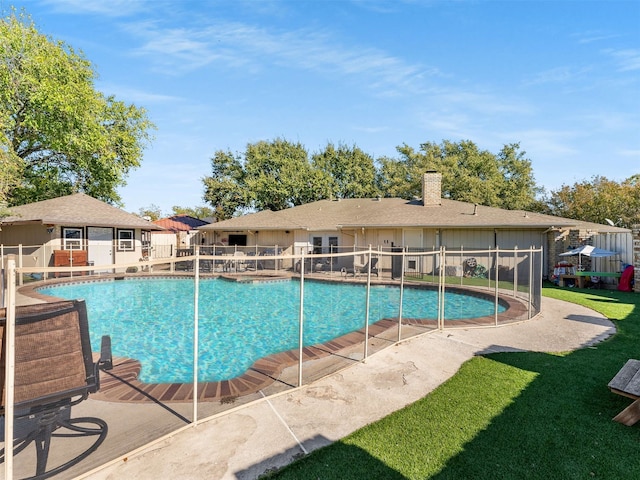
{"x": 431, "y": 189}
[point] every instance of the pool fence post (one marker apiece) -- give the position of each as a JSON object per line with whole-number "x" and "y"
{"x": 401, "y": 294}
{"x": 540, "y": 254}
{"x": 20, "y": 265}
{"x": 10, "y": 364}
{"x": 531, "y": 281}
{"x": 441, "y": 290}
{"x": 330, "y": 261}
{"x": 196, "y": 294}
{"x": 515, "y": 272}
{"x": 301, "y": 334}
{"x": 496, "y": 287}
{"x": 366, "y": 314}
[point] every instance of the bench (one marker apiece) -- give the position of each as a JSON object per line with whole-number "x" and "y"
{"x": 627, "y": 383}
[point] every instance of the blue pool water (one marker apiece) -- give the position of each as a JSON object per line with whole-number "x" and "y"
{"x": 151, "y": 320}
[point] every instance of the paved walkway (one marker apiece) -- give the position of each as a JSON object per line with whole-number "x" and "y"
{"x": 271, "y": 433}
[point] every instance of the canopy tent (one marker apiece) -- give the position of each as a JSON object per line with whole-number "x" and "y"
{"x": 588, "y": 251}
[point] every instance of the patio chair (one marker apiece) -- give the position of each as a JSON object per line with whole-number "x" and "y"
{"x": 362, "y": 269}
{"x": 54, "y": 370}
{"x": 237, "y": 262}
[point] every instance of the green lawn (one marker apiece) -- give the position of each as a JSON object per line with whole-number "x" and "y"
{"x": 470, "y": 282}
{"x": 506, "y": 416}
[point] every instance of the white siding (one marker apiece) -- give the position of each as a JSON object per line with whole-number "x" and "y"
{"x": 510, "y": 239}
{"x": 616, "y": 242}
{"x": 467, "y": 239}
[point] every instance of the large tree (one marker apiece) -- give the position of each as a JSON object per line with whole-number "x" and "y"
{"x": 597, "y": 200}
{"x": 271, "y": 175}
{"x": 57, "y": 132}
{"x": 225, "y": 190}
{"x": 469, "y": 174}
{"x": 351, "y": 173}
{"x": 279, "y": 175}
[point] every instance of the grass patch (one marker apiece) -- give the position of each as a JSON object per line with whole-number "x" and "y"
{"x": 480, "y": 282}
{"x": 506, "y": 416}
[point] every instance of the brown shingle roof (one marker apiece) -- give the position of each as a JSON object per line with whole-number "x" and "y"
{"x": 76, "y": 209}
{"x": 397, "y": 213}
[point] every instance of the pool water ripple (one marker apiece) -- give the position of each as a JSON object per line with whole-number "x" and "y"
{"x": 151, "y": 320}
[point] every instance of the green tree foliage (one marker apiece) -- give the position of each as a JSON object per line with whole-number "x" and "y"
{"x": 152, "y": 212}
{"x": 279, "y": 175}
{"x": 469, "y": 174}
{"x": 598, "y": 199}
{"x": 272, "y": 175}
{"x": 58, "y": 133}
{"x": 350, "y": 172}
{"x": 9, "y": 176}
{"x": 225, "y": 189}
{"x": 196, "y": 212}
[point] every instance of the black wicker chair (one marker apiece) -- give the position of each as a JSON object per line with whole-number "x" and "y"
{"x": 54, "y": 370}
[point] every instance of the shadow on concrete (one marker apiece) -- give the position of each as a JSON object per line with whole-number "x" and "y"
{"x": 593, "y": 320}
{"x": 355, "y": 457}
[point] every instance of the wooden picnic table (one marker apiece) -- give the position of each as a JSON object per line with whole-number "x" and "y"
{"x": 627, "y": 383}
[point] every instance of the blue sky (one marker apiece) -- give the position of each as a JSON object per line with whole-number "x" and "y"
{"x": 562, "y": 78}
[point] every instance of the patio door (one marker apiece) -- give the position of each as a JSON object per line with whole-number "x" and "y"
{"x": 412, "y": 240}
{"x": 100, "y": 246}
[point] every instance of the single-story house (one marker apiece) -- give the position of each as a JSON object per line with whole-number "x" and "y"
{"x": 178, "y": 231}
{"x": 422, "y": 224}
{"x": 100, "y": 233}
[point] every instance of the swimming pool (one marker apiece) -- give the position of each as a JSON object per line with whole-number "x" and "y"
{"x": 151, "y": 320}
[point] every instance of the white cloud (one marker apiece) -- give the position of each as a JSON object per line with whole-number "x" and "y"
{"x": 629, "y": 153}
{"x": 136, "y": 96}
{"x": 548, "y": 143}
{"x": 365, "y": 129}
{"x": 628, "y": 60}
{"x": 109, "y": 8}
{"x": 238, "y": 45}
{"x": 558, "y": 75}
{"x": 594, "y": 36}
{"x": 485, "y": 103}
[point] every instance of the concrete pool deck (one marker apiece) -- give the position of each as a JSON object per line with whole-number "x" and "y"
{"x": 248, "y": 441}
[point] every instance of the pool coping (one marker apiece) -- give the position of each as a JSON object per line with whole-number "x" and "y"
{"x": 121, "y": 384}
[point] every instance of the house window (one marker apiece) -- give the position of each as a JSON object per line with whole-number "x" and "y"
{"x": 146, "y": 243}
{"x": 317, "y": 245}
{"x": 333, "y": 244}
{"x": 125, "y": 241}
{"x": 71, "y": 238}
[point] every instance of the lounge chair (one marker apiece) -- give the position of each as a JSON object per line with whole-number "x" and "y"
{"x": 54, "y": 370}
{"x": 361, "y": 269}
{"x": 237, "y": 262}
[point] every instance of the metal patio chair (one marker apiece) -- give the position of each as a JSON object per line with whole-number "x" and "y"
{"x": 54, "y": 370}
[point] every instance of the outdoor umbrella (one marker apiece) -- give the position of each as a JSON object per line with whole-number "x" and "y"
{"x": 588, "y": 251}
